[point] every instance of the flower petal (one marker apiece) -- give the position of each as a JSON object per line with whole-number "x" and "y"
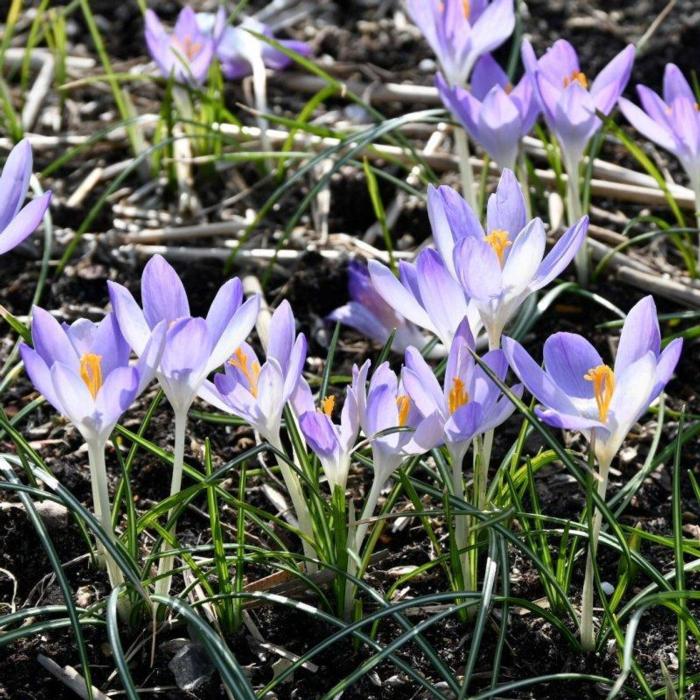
{"x": 568, "y": 357}
{"x": 131, "y": 319}
{"x": 226, "y": 302}
{"x": 478, "y": 269}
{"x": 25, "y": 223}
{"x": 561, "y": 254}
{"x": 162, "y": 294}
{"x": 640, "y": 334}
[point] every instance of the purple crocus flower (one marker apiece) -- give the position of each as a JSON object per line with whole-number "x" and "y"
{"x": 332, "y": 443}
{"x": 187, "y": 52}
{"x": 672, "y": 122}
{"x": 498, "y": 270}
{"x": 459, "y": 31}
{"x": 495, "y": 114}
{"x": 194, "y": 346}
{"x": 426, "y": 294}
{"x": 83, "y": 370}
{"x": 258, "y": 393}
{"x": 238, "y": 50}
{"x": 17, "y": 222}
{"x": 567, "y": 100}
{"x": 578, "y": 391}
{"x": 369, "y": 314}
{"x": 469, "y": 403}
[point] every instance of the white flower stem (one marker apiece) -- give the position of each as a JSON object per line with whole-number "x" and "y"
{"x": 103, "y": 510}
{"x": 696, "y": 188}
{"x": 260, "y": 91}
{"x": 586, "y": 625}
{"x": 524, "y": 182}
{"x": 574, "y": 212}
{"x": 368, "y": 511}
{"x": 461, "y": 524}
{"x": 465, "y": 167}
{"x": 165, "y": 565}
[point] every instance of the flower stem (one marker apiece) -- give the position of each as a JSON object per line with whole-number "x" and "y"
{"x": 165, "y": 564}
{"x": 586, "y": 625}
{"x": 465, "y": 167}
{"x": 461, "y": 524}
{"x": 696, "y": 188}
{"x": 574, "y": 213}
{"x": 524, "y": 182}
{"x": 103, "y": 510}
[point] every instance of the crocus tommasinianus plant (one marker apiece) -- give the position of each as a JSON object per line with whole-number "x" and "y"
{"x": 83, "y": 371}
{"x": 500, "y": 267}
{"x": 672, "y": 122}
{"x": 459, "y": 31}
{"x": 17, "y": 222}
{"x": 369, "y": 314}
{"x": 426, "y": 294}
{"x": 494, "y": 113}
{"x": 578, "y": 391}
{"x": 187, "y": 52}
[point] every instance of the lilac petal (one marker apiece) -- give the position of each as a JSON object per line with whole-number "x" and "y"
{"x": 559, "y": 61}
{"x": 524, "y": 257}
{"x": 131, "y": 319}
{"x": 502, "y": 410}
{"x": 116, "y": 395}
{"x": 523, "y": 95}
{"x": 529, "y": 58}
{"x": 654, "y": 106}
{"x": 464, "y": 423}
{"x": 568, "y": 357}
{"x": 425, "y": 16}
{"x": 73, "y": 395}
{"x": 150, "y": 357}
{"x": 225, "y": 304}
{"x": 493, "y": 27}
{"x": 640, "y": 334}
{"x": 461, "y": 103}
{"x": 382, "y": 412}
{"x": 358, "y": 317}
{"x": 319, "y": 433}
{"x": 675, "y": 85}
{"x": 506, "y": 209}
{"x": 420, "y": 383}
{"x": 566, "y": 421}
{"x": 270, "y": 386}
{"x": 500, "y": 127}
{"x": 561, "y": 255}
{"x": 297, "y": 358}
{"x": 575, "y": 121}
{"x": 632, "y": 396}
{"x": 14, "y": 181}
{"x": 162, "y": 294}
{"x": 281, "y": 334}
{"x": 666, "y": 365}
{"x": 25, "y": 223}
{"x": 612, "y": 80}
{"x": 235, "y": 333}
{"x": 486, "y": 74}
{"x": 186, "y": 23}
{"x": 478, "y": 269}
{"x": 39, "y": 374}
{"x": 208, "y": 392}
{"x": 302, "y": 399}
{"x": 429, "y": 433}
{"x": 107, "y": 341}
{"x": 51, "y": 341}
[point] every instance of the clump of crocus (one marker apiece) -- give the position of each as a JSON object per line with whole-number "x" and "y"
{"x": 83, "y": 371}
{"x": 259, "y": 392}
{"x": 569, "y": 103}
{"x": 194, "y": 346}
{"x": 672, "y": 122}
{"x": 17, "y": 222}
{"x": 494, "y": 113}
{"x": 186, "y": 53}
{"x": 578, "y": 391}
{"x": 369, "y": 314}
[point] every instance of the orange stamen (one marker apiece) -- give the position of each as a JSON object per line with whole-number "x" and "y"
{"x": 189, "y": 47}
{"x": 603, "y": 380}
{"x": 458, "y": 396}
{"x": 327, "y": 405}
{"x": 466, "y": 8}
{"x": 578, "y": 77}
{"x": 91, "y": 372}
{"x": 404, "y": 405}
{"x": 499, "y": 241}
{"x": 240, "y": 362}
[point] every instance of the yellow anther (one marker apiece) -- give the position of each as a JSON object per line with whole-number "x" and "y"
{"x": 499, "y": 241}
{"x": 404, "y": 405}
{"x": 466, "y": 8}
{"x": 603, "y": 380}
{"x": 327, "y": 405}
{"x": 190, "y": 48}
{"x": 578, "y": 77}
{"x": 91, "y": 372}
{"x": 458, "y": 396}
{"x": 251, "y": 373}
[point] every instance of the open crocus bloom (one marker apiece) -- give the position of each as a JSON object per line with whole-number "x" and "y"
{"x": 469, "y": 403}
{"x": 194, "y": 346}
{"x": 498, "y": 270}
{"x": 187, "y": 52}
{"x": 578, "y": 391}
{"x": 426, "y": 294}
{"x": 568, "y": 101}
{"x": 237, "y": 49}
{"x": 459, "y": 31}
{"x": 495, "y": 114}
{"x": 672, "y": 122}
{"x": 332, "y": 443}
{"x": 17, "y": 222}
{"x": 368, "y": 313}
{"x": 83, "y": 370}
{"x": 258, "y": 393}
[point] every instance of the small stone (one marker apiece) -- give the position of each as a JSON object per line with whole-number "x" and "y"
{"x": 191, "y": 667}
{"x": 607, "y": 587}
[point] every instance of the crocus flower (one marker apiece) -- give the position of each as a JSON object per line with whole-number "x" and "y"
{"x": 495, "y": 114}
{"x": 258, "y": 393}
{"x": 568, "y": 101}
{"x": 83, "y": 370}
{"x": 369, "y": 314}
{"x": 459, "y": 31}
{"x": 426, "y": 294}
{"x": 332, "y": 443}
{"x": 194, "y": 346}
{"x": 672, "y": 122}
{"x": 469, "y": 403}
{"x": 187, "y": 52}
{"x": 578, "y": 391}
{"x": 17, "y": 222}
{"x": 238, "y": 50}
